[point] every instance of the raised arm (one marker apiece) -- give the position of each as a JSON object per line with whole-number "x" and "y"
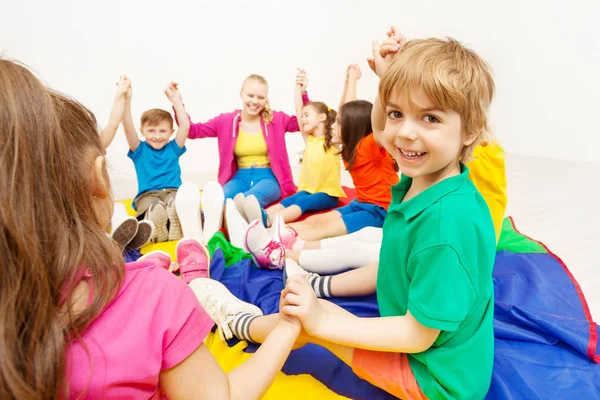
{"x": 174, "y": 95}
{"x": 116, "y": 113}
{"x": 201, "y": 129}
{"x": 200, "y": 377}
{"x": 353, "y": 74}
{"x": 384, "y": 54}
{"x": 299, "y": 92}
{"x": 130, "y": 133}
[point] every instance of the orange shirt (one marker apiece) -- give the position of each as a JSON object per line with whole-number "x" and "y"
{"x": 373, "y": 173}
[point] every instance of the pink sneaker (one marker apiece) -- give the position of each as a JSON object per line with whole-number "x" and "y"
{"x": 266, "y": 252}
{"x": 161, "y": 259}
{"x": 283, "y": 234}
{"x": 193, "y": 259}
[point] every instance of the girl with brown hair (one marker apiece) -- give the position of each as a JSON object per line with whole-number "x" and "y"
{"x": 75, "y": 322}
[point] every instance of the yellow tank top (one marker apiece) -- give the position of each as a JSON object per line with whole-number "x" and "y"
{"x": 320, "y": 169}
{"x": 251, "y": 150}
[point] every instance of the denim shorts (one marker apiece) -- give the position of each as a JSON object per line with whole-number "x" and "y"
{"x": 358, "y": 215}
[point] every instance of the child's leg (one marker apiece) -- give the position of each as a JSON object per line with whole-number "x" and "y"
{"x": 369, "y": 234}
{"x": 287, "y": 208}
{"x": 143, "y": 201}
{"x": 313, "y": 220}
{"x": 358, "y": 282}
{"x": 288, "y": 214}
{"x": 275, "y": 209}
{"x": 309, "y": 202}
{"x": 321, "y": 226}
{"x": 337, "y": 259}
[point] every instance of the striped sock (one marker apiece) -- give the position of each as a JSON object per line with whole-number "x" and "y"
{"x": 240, "y": 326}
{"x": 320, "y": 284}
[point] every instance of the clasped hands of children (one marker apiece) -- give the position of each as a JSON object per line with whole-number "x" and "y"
{"x": 298, "y": 300}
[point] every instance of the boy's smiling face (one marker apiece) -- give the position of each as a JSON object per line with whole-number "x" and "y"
{"x": 424, "y": 141}
{"x": 157, "y": 136}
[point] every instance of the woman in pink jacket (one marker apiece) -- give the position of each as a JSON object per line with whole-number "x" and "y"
{"x": 252, "y": 151}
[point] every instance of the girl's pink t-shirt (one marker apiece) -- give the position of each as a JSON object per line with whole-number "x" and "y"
{"x": 154, "y": 323}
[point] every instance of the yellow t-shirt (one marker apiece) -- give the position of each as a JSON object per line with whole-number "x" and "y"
{"x": 320, "y": 169}
{"x": 250, "y": 150}
{"x": 488, "y": 172}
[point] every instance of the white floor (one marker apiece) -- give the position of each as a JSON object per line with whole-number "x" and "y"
{"x": 555, "y": 202}
{"x": 558, "y": 202}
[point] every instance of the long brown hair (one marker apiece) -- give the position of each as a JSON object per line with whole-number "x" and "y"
{"x": 331, "y": 114}
{"x": 355, "y": 124}
{"x": 49, "y": 233}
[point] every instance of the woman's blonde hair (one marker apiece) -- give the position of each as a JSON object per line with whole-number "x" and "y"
{"x": 267, "y": 113}
{"x": 50, "y": 233}
{"x": 452, "y": 76}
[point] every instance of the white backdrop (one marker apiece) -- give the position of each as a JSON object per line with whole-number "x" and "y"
{"x": 545, "y": 56}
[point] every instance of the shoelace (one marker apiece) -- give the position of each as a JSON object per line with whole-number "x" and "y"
{"x": 269, "y": 249}
{"x": 218, "y": 313}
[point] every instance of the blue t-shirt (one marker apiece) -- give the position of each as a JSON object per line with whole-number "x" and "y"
{"x": 157, "y": 169}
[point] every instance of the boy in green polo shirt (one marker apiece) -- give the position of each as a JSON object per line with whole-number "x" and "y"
{"x": 434, "y": 287}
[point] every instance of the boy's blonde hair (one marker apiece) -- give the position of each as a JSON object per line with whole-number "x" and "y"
{"x": 155, "y": 116}
{"x": 452, "y": 76}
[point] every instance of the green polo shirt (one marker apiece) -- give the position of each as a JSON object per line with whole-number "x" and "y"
{"x": 436, "y": 261}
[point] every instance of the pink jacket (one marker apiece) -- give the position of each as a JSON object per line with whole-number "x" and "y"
{"x": 225, "y": 128}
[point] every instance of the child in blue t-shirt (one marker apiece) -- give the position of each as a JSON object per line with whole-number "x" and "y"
{"x": 156, "y": 161}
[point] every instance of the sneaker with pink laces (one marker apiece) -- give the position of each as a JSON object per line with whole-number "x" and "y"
{"x": 285, "y": 235}
{"x": 266, "y": 252}
{"x": 160, "y": 258}
{"x": 193, "y": 259}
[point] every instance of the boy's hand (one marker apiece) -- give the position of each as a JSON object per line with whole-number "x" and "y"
{"x": 285, "y": 318}
{"x": 353, "y": 73}
{"x": 385, "y": 53}
{"x": 301, "y": 79}
{"x": 172, "y": 92}
{"x": 123, "y": 86}
{"x": 301, "y": 302}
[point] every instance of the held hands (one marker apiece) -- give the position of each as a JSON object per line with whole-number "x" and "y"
{"x": 386, "y": 51}
{"x": 301, "y": 79}
{"x": 285, "y": 318}
{"x": 123, "y": 86}
{"x": 353, "y": 73}
{"x": 172, "y": 92}
{"x": 300, "y": 301}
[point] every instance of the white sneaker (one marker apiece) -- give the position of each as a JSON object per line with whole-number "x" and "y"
{"x": 239, "y": 200}
{"x": 213, "y": 200}
{"x": 253, "y": 210}
{"x": 187, "y": 205}
{"x": 220, "y": 304}
{"x": 265, "y": 251}
{"x": 236, "y": 225}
